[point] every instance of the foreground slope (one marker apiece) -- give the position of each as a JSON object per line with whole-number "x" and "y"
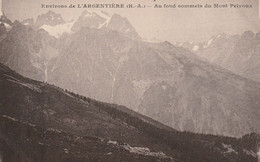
{"x": 40, "y": 122}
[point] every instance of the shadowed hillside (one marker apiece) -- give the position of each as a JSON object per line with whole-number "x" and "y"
{"x": 41, "y": 122}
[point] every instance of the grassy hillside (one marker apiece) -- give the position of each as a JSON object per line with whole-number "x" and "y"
{"x": 41, "y": 122}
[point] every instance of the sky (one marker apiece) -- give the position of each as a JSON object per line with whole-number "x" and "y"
{"x": 172, "y": 24}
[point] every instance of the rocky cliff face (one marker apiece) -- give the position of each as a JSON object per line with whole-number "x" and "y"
{"x": 50, "y": 18}
{"x": 123, "y": 26}
{"x": 160, "y": 80}
{"x": 27, "y": 51}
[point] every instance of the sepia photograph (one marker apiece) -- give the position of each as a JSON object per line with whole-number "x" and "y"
{"x": 129, "y": 81}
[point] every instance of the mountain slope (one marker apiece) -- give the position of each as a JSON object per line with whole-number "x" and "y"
{"x": 28, "y": 52}
{"x": 203, "y": 98}
{"x": 238, "y": 53}
{"x": 41, "y": 122}
{"x": 159, "y": 80}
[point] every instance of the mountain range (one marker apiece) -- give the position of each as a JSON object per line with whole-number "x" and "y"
{"x": 238, "y": 53}
{"x": 103, "y": 57}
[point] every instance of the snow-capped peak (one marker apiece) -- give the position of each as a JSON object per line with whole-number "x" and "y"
{"x": 49, "y": 18}
{"x": 102, "y": 14}
{"x": 195, "y": 48}
{"x": 59, "y": 30}
{"x": 218, "y": 36}
{"x": 152, "y": 40}
{"x": 222, "y": 35}
{"x": 93, "y": 19}
{"x": 4, "y": 20}
{"x": 95, "y": 13}
{"x": 208, "y": 43}
{"x": 28, "y": 22}
{"x": 212, "y": 40}
{"x": 52, "y": 23}
{"x": 179, "y": 44}
{"x": 123, "y": 26}
{"x": 1, "y": 11}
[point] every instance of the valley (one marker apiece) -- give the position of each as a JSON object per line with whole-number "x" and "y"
{"x": 103, "y": 57}
{"x": 91, "y": 89}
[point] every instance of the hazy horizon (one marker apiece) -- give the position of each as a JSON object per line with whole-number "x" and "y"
{"x": 174, "y": 25}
